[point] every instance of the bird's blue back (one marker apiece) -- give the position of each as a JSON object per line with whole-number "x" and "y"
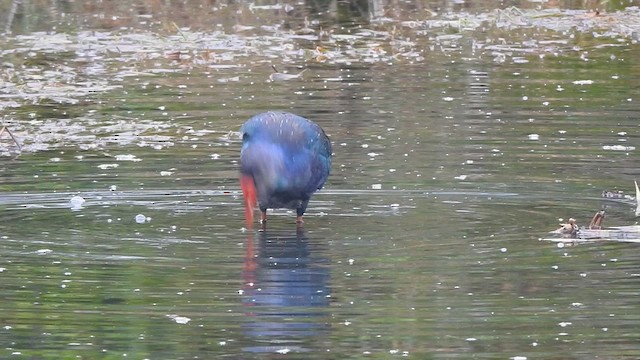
{"x": 286, "y": 154}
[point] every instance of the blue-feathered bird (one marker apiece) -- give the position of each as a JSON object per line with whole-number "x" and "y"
{"x": 285, "y": 158}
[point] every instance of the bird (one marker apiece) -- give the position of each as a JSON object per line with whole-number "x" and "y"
{"x": 285, "y": 158}
{"x": 570, "y": 228}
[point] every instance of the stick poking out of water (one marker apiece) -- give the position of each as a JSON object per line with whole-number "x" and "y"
{"x": 6, "y": 129}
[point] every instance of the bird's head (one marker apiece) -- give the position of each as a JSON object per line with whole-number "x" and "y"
{"x": 261, "y": 162}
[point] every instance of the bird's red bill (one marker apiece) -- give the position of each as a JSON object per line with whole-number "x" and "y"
{"x": 249, "y": 193}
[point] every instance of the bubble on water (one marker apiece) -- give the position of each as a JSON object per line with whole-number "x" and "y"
{"x": 560, "y": 245}
{"x": 140, "y": 219}
{"x": 283, "y": 351}
{"x": 583, "y": 82}
{"x": 365, "y": 145}
{"x": 376, "y": 186}
{"x": 55, "y": 159}
{"x": 113, "y": 188}
{"x": 166, "y": 173}
{"x": 76, "y": 202}
{"x": 108, "y": 166}
{"x": 564, "y": 323}
{"x": 2, "y": 269}
{"x": 518, "y": 357}
{"x": 503, "y": 250}
{"x": 44, "y": 251}
{"x": 525, "y": 98}
{"x": 460, "y": 177}
{"x": 351, "y": 261}
{"x": 394, "y": 205}
{"x": 447, "y": 98}
{"x": 215, "y": 156}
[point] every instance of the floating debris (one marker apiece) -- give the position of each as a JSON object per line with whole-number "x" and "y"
{"x": 179, "y": 319}
{"x": 278, "y": 76}
{"x": 127, "y": 157}
{"x": 583, "y": 82}
{"x": 618, "y": 147}
{"x": 571, "y": 232}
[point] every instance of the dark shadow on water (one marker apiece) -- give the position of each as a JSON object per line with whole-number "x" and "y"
{"x": 286, "y": 292}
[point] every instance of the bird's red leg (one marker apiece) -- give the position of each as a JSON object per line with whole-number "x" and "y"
{"x": 299, "y": 220}
{"x": 249, "y": 193}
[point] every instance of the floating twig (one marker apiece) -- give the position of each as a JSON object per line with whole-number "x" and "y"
{"x": 180, "y": 31}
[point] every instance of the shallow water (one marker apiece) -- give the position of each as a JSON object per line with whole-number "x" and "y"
{"x": 461, "y": 137}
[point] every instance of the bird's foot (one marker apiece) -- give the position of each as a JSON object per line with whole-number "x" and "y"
{"x": 299, "y": 221}
{"x": 263, "y": 221}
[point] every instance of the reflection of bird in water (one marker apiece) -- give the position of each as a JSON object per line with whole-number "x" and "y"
{"x": 285, "y": 158}
{"x": 286, "y": 293}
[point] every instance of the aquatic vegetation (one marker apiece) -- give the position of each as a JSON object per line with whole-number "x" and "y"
{"x": 72, "y": 69}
